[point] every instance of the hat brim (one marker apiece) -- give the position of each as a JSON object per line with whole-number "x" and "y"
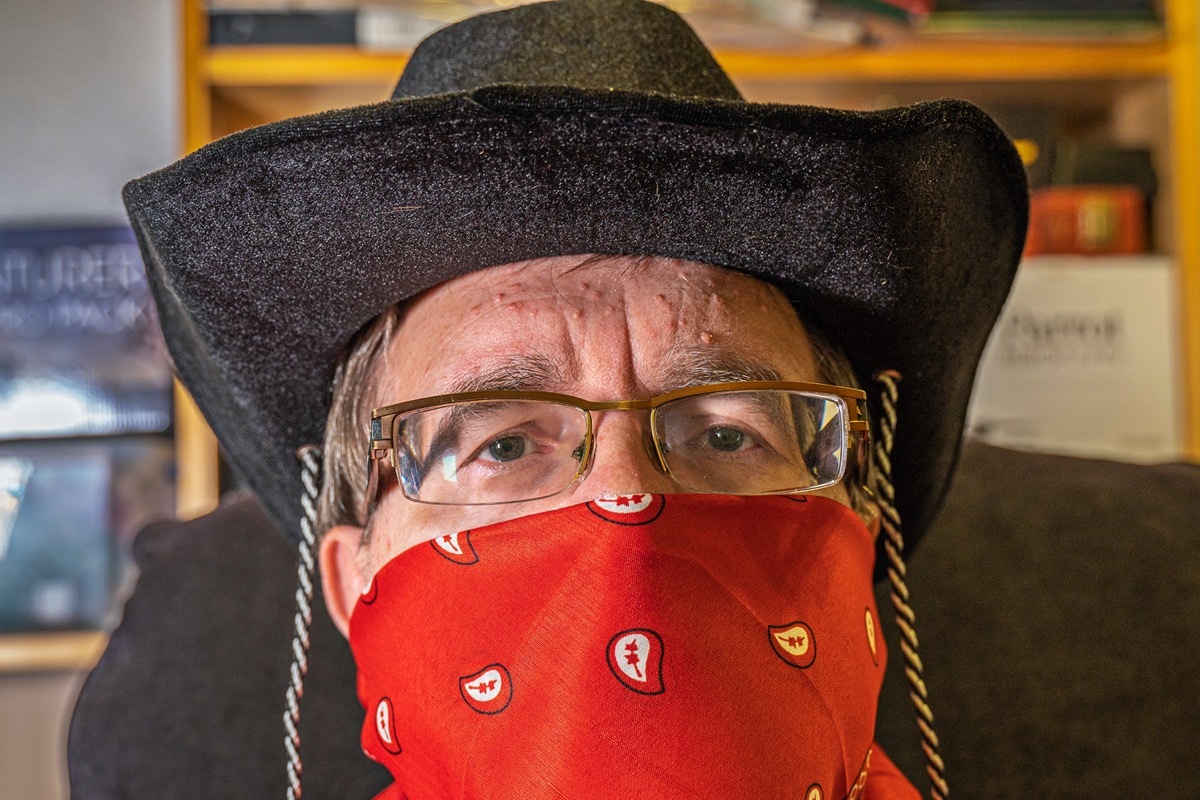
{"x": 898, "y": 232}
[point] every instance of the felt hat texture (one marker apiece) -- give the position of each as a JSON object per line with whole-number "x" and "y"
{"x": 578, "y": 126}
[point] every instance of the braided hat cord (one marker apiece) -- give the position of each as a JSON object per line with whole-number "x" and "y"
{"x": 310, "y": 460}
{"x": 885, "y": 496}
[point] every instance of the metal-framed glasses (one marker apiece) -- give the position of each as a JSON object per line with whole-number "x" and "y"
{"x": 746, "y": 438}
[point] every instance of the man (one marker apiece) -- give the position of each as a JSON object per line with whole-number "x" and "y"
{"x": 591, "y": 324}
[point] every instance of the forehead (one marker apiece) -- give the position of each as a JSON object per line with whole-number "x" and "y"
{"x": 602, "y": 327}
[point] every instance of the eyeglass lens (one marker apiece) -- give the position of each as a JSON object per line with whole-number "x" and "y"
{"x": 489, "y": 451}
{"x": 732, "y": 442}
{"x": 752, "y": 442}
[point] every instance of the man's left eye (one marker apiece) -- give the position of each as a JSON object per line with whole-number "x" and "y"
{"x": 507, "y": 448}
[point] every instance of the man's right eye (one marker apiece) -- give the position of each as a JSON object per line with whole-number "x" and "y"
{"x": 725, "y": 438}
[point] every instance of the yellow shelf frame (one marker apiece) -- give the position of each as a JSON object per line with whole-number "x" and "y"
{"x": 976, "y": 61}
{"x": 51, "y": 652}
{"x": 299, "y": 66}
{"x": 1174, "y": 57}
{"x": 967, "y": 62}
{"x": 1183, "y": 27}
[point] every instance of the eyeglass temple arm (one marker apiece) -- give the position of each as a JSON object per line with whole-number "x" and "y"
{"x": 380, "y": 449}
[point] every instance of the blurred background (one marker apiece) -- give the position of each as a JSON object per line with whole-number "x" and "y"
{"x": 1097, "y": 353}
{"x": 89, "y": 96}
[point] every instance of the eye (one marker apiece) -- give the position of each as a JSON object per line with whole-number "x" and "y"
{"x": 507, "y": 448}
{"x": 725, "y": 439}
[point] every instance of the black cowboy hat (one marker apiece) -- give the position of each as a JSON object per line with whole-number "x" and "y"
{"x": 581, "y": 126}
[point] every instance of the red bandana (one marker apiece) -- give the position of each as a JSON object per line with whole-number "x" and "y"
{"x": 687, "y": 646}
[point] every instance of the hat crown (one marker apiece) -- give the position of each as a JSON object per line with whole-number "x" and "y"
{"x": 620, "y": 45}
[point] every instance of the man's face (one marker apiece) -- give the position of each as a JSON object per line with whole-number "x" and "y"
{"x": 608, "y": 330}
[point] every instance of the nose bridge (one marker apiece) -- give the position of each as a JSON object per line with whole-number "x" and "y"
{"x": 624, "y": 460}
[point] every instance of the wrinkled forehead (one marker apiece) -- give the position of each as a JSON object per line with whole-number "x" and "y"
{"x": 604, "y": 325}
{"x": 592, "y": 277}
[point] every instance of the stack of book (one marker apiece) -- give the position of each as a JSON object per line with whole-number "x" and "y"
{"x": 399, "y": 25}
{"x": 1072, "y": 19}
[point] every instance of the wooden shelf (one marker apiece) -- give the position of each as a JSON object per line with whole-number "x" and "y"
{"x": 300, "y": 66}
{"x": 51, "y": 652}
{"x": 958, "y": 61}
{"x": 917, "y": 61}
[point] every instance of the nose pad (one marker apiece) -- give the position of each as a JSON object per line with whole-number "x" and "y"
{"x": 624, "y": 460}
{"x": 652, "y": 451}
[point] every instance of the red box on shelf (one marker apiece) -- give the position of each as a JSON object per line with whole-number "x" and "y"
{"x": 1083, "y": 220}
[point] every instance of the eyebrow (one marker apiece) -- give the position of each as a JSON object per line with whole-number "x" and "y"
{"x": 694, "y": 366}
{"x": 524, "y": 371}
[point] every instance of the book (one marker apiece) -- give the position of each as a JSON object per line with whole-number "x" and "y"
{"x": 1084, "y": 220}
{"x": 265, "y": 27}
{"x": 1084, "y": 360}
{"x": 80, "y": 349}
{"x": 1043, "y": 20}
{"x": 1103, "y": 163}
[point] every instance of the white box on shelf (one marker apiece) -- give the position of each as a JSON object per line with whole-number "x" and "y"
{"x": 1084, "y": 360}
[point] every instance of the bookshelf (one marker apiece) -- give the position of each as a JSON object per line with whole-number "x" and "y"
{"x": 1147, "y": 86}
